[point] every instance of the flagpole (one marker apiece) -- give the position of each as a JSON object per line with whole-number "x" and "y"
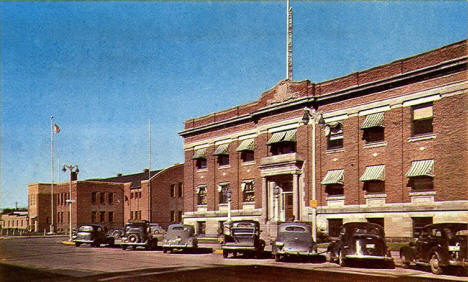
{"x": 149, "y": 171}
{"x": 51, "y": 231}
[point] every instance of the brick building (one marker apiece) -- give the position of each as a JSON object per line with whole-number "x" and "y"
{"x": 390, "y": 147}
{"x": 16, "y": 220}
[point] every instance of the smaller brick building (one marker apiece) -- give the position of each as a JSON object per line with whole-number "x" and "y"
{"x": 17, "y": 220}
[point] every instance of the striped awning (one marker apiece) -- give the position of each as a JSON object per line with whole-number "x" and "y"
{"x": 221, "y": 150}
{"x": 246, "y": 145}
{"x": 421, "y": 168}
{"x": 373, "y": 173}
{"x": 199, "y": 154}
{"x": 334, "y": 128}
{"x": 373, "y": 120}
{"x": 334, "y": 177}
{"x": 284, "y": 136}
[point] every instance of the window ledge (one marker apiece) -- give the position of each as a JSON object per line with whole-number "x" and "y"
{"x": 202, "y": 169}
{"x": 248, "y": 163}
{"x": 223, "y": 204}
{"x": 331, "y": 151}
{"x": 248, "y": 203}
{"x": 224, "y": 166}
{"x": 421, "y": 137}
{"x": 422, "y": 193}
{"x": 202, "y": 206}
{"x": 375, "y": 195}
{"x": 334, "y": 198}
{"x": 375, "y": 144}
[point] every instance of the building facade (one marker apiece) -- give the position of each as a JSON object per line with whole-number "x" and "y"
{"x": 385, "y": 145}
{"x": 17, "y": 221}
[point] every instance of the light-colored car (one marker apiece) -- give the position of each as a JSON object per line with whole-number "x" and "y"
{"x": 294, "y": 239}
{"x": 179, "y": 236}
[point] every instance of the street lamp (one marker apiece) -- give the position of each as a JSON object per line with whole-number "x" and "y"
{"x": 316, "y": 118}
{"x": 276, "y": 192}
{"x": 73, "y": 171}
{"x": 229, "y": 204}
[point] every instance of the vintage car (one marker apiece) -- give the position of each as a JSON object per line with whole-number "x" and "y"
{"x": 179, "y": 237}
{"x": 439, "y": 245}
{"x": 93, "y": 234}
{"x": 360, "y": 241}
{"x": 138, "y": 234}
{"x": 294, "y": 239}
{"x": 243, "y": 236}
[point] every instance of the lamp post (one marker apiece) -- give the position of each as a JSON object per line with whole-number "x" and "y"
{"x": 229, "y": 204}
{"x": 317, "y": 118}
{"x": 73, "y": 171}
{"x": 276, "y": 192}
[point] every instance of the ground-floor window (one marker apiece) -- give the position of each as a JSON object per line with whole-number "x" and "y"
{"x": 334, "y": 190}
{"x": 201, "y": 227}
{"x": 419, "y": 223}
{"x": 172, "y": 216}
{"x": 377, "y": 220}
{"x": 334, "y": 225}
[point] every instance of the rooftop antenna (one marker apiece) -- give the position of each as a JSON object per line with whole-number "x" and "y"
{"x": 289, "y": 41}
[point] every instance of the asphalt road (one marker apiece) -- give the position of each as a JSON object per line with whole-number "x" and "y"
{"x": 47, "y": 259}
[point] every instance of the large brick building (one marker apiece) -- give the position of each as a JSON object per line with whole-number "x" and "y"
{"x": 390, "y": 147}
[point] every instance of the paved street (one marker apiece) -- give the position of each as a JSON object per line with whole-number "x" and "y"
{"x": 49, "y": 259}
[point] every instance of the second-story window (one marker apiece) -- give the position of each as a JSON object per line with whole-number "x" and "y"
{"x": 246, "y": 148}
{"x": 110, "y": 198}
{"x": 93, "y": 198}
{"x": 180, "y": 189}
{"x": 102, "y": 198}
{"x": 373, "y": 128}
{"x": 334, "y": 133}
{"x": 421, "y": 175}
{"x": 282, "y": 142}
{"x": 374, "y": 179}
{"x": 223, "y": 190}
{"x": 201, "y": 195}
{"x": 222, "y": 152}
{"x": 248, "y": 191}
{"x": 200, "y": 158}
{"x": 173, "y": 190}
{"x": 422, "y": 119}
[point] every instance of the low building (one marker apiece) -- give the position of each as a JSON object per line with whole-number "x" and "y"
{"x": 15, "y": 221}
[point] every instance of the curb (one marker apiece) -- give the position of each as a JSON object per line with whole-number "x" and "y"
{"x": 218, "y": 251}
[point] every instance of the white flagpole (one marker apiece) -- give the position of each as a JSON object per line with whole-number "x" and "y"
{"x": 149, "y": 172}
{"x": 51, "y": 231}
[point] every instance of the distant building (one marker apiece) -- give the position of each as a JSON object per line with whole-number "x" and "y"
{"x": 16, "y": 220}
{"x": 390, "y": 148}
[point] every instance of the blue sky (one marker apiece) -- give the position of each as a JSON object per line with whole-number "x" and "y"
{"x": 104, "y": 69}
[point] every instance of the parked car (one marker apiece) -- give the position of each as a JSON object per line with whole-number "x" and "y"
{"x": 179, "y": 236}
{"x": 439, "y": 245}
{"x": 360, "y": 241}
{"x": 156, "y": 229}
{"x": 138, "y": 234}
{"x": 116, "y": 233}
{"x": 294, "y": 239}
{"x": 93, "y": 234}
{"x": 243, "y": 236}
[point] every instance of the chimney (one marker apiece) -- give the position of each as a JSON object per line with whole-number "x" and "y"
{"x": 119, "y": 174}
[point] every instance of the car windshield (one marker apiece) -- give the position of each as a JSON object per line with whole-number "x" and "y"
{"x": 179, "y": 228}
{"x": 295, "y": 229}
{"x": 85, "y": 229}
{"x": 366, "y": 230}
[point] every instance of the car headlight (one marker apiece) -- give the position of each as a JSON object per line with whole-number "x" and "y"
{"x": 279, "y": 244}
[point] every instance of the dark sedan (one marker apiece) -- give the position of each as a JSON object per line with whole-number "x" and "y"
{"x": 294, "y": 239}
{"x": 243, "y": 236}
{"x": 93, "y": 234}
{"x": 439, "y": 245}
{"x": 360, "y": 241}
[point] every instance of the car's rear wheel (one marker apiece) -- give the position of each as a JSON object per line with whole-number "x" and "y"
{"x": 225, "y": 253}
{"x": 434, "y": 262}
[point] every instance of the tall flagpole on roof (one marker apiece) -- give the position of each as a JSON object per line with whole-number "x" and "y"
{"x": 149, "y": 171}
{"x": 289, "y": 42}
{"x": 52, "y": 124}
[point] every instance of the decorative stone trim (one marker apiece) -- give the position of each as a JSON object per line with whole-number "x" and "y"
{"x": 421, "y": 137}
{"x": 202, "y": 170}
{"x": 248, "y": 163}
{"x": 422, "y": 193}
{"x": 375, "y": 195}
{"x": 335, "y": 197}
{"x": 375, "y": 144}
{"x": 224, "y": 167}
{"x": 331, "y": 151}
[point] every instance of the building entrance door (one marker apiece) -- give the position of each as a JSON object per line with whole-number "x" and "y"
{"x": 288, "y": 206}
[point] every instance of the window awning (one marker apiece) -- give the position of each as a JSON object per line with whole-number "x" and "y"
{"x": 422, "y": 113}
{"x": 373, "y": 173}
{"x": 334, "y": 177}
{"x": 284, "y": 136}
{"x": 221, "y": 150}
{"x": 334, "y": 128}
{"x": 246, "y": 145}
{"x": 201, "y": 188}
{"x": 421, "y": 168}
{"x": 373, "y": 120}
{"x": 199, "y": 154}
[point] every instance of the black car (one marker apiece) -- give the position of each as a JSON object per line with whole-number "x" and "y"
{"x": 92, "y": 234}
{"x": 360, "y": 241}
{"x": 439, "y": 245}
{"x": 294, "y": 239}
{"x": 243, "y": 236}
{"x": 138, "y": 234}
{"x": 179, "y": 236}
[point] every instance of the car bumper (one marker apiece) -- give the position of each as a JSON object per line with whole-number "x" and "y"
{"x": 177, "y": 246}
{"x": 369, "y": 257}
{"x": 133, "y": 244}
{"x": 296, "y": 253}
{"x": 83, "y": 241}
{"x": 236, "y": 247}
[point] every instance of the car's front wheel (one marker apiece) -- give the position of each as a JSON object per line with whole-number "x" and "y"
{"x": 434, "y": 262}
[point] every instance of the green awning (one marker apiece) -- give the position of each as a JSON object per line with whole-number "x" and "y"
{"x": 373, "y": 120}
{"x": 246, "y": 145}
{"x": 221, "y": 150}
{"x": 373, "y": 173}
{"x": 421, "y": 168}
{"x": 284, "y": 136}
{"x": 334, "y": 177}
{"x": 199, "y": 154}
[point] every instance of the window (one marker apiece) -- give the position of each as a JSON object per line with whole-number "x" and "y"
{"x": 334, "y": 132}
{"x": 374, "y": 134}
{"x": 102, "y": 198}
{"x": 179, "y": 216}
{"x": 180, "y": 189}
{"x": 111, "y": 216}
{"x": 373, "y": 127}
{"x": 93, "y": 217}
{"x": 334, "y": 189}
{"x": 282, "y": 142}
{"x": 377, "y": 220}
{"x": 131, "y": 214}
{"x": 102, "y": 216}
{"x": 201, "y": 195}
{"x": 223, "y": 190}
{"x": 374, "y": 186}
{"x": 334, "y": 226}
{"x": 201, "y": 227}
{"x": 93, "y": 198}
{"x": 422, "y": 119}
{"x": 173, "y": 190}
{"x": 248, "y": 189}
{"x": 138, "y": 214}
{"x": 201, "y": 163}
{"x": 173, "y": 216}
{"x": 223, "y": 160}
{"x": 221, "y": 227}
{"x": 247, "y": 156}
{"x": 419, "y": 223}
{"x": 422, "y": 183}
{"x": 110, "y": 198}
{"x": 131, "y": 195}
{"x": 283, "y": 148}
